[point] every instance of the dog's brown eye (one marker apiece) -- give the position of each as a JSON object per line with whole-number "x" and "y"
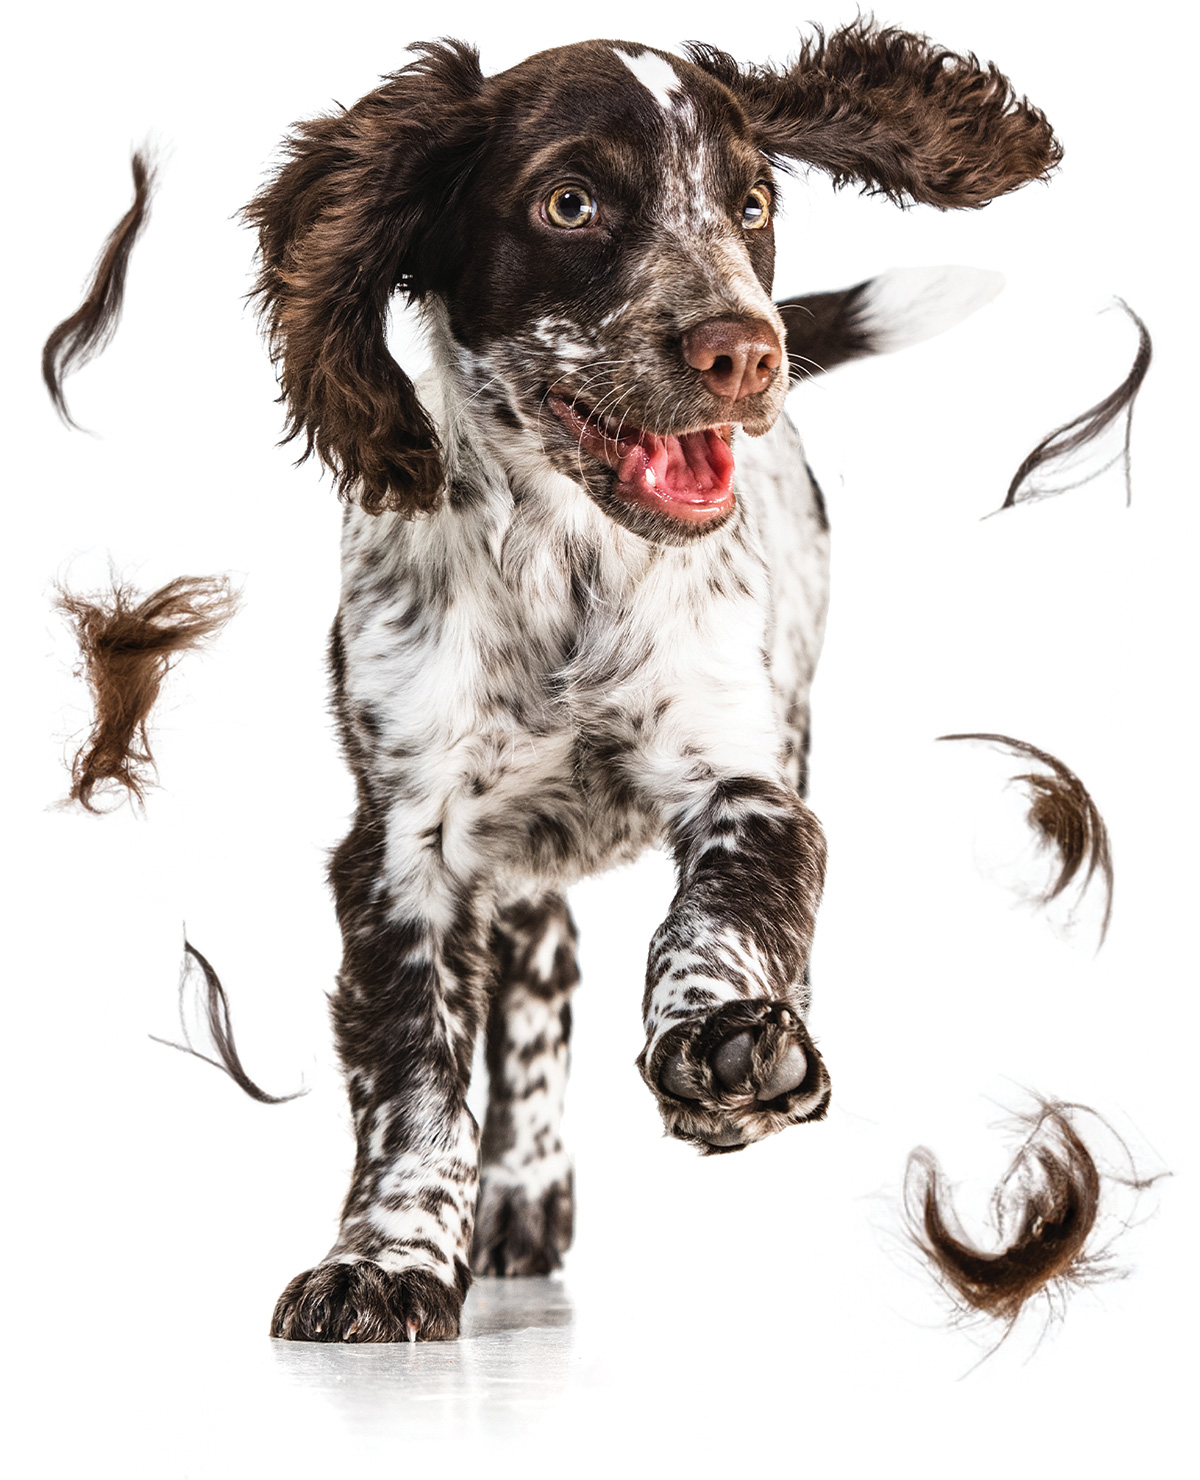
{"x": 570, "y": 206}
{"x": 756, "y": 213}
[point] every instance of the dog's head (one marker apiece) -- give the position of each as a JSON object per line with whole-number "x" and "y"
{"x": 597, "y": 228}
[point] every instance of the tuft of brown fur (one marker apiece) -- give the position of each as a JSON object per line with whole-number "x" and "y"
{"x": 895, "y": 114}
{"x": 216, "y": 1018}
{"x": 88, "y": 331}
{"x": 129, "y": 643}
{"x": 1064, "y": 441}
{"x": 1044, "y": 1210}
{"x": 1066, "y": 820}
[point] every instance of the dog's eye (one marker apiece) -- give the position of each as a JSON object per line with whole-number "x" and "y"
{"x": 756, "y": 213}
{"x": 570, "y": 206}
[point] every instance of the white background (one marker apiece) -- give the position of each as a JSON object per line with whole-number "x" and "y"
{"x": 755, "y": 1310}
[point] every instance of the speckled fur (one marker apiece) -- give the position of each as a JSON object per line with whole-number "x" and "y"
{"x": 535, "y": 679}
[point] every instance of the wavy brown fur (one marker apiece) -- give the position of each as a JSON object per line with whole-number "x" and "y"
{"x": 1066, "y": 820}
{"x": 129, "y": 643}
{"x": 216, "y": 1018}
{"x": 1044, "y": 1209}
{"x": 80, "y": 338}
{"x": 1084, "y": 429}
{"x": 358, "y": 209}
{"x": 893, "y": 113}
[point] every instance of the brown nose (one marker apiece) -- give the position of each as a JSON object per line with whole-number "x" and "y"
{"x": 735, "y": 357}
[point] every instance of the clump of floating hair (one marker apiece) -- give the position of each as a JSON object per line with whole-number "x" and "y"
{"x": 88, "y": 331}
{"x": 1067, "y": 822}
{"x": 1044, "y": 1212}
{"x": 1058, "y": 446}
{"x": 213, "y": 1013}
{"x": 129, "y": 643}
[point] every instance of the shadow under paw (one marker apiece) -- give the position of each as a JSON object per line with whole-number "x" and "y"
{"x": 737, "y": 1074}
{"x": 516, "y": 1234}
{"x": 362, "y": 1302}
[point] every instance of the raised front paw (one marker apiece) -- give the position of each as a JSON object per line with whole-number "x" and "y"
{"x": 737, "y": 1074}
{"x": 521, "y": 1230}
{"x": 363, "y": 1302}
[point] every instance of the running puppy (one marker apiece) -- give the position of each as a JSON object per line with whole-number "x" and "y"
{"x": 600, "y": 632}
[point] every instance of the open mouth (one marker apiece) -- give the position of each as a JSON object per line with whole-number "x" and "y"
{"x": 687, "y": 476}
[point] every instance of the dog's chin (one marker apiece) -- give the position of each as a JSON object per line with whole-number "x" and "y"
{"x": 671, "y": 489}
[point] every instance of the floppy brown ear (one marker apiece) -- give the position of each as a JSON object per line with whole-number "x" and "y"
{"x": 357, "y": 210}
{"x": 894, "y": 113}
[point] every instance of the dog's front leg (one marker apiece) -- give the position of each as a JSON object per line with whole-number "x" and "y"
{"x": 406, "y": 1012}
{"x": 727, "y": 1052}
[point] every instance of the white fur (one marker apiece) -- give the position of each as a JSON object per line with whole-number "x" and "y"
{"x": 655, "y": 74}
{"x": 907, "y": 305}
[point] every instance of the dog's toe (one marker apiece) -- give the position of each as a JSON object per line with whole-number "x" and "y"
{"x": 519, "y": 1231}
{"x": 733, "y": 1060}
{"x": 361, "y": 1302}
{"x": 788, "y": 1074}
{"x": 676, "y": 1078}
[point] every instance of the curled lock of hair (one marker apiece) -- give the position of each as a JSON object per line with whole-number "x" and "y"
{"x": 893, "y": 113}
{"x": 1066, "y": 821}
{"x": 87, "y": 332}
{"x": 215, "y": 1016}
{"x": 357, "y": 210}
{"x": 129, "y": 643}
{"x": 1044, "y": 1210}
{"x": 1059, "y": 446}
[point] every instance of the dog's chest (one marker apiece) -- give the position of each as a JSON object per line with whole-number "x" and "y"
{"x": 544, "y": 697}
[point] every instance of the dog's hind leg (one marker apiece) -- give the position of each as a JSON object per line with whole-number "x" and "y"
{"x": 524, "y": 1218}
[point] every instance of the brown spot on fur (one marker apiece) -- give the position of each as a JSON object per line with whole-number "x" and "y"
{"x": 80, "y": 338}
{"x": 1057, "y": 446}
{"x": 129, "y": 644}
{"x": 1066, "y": 820}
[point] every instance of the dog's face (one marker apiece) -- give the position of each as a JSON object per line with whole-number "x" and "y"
{"x": 597, "y": 226}
{"x": 612, "y": 288}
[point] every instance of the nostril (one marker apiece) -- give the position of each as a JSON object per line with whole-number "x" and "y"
{"x": 735, "y": 357}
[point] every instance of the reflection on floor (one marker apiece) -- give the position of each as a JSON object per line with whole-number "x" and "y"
{"x": 515, "y": 1353}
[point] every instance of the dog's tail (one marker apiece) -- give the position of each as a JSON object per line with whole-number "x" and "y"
{"x": 891, "y": 311}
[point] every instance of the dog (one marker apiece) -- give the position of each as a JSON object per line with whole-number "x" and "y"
{"x": 584, "y": 585}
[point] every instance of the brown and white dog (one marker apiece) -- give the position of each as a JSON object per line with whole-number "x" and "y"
{"x": 584, "y": 587}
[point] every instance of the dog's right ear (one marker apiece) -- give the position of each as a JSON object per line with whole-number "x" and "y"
{"x": 360, "y": 208}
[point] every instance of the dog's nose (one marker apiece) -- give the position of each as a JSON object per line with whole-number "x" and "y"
{"x": 735, "y": 357}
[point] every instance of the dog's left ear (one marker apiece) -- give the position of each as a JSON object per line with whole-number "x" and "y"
{"x": 894, "y": 113}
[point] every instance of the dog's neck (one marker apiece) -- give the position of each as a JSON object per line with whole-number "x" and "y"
{"x": 499, "y": 480}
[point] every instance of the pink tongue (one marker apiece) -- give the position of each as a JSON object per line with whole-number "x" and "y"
{"x": 696, "y": 468}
